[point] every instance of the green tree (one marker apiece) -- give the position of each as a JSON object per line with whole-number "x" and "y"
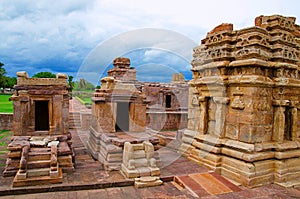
{"x": 44, "y": 75}
{"x": 2, "y": 75}
{"x": 71, "y": 83}
{"x": 9, "y": 82}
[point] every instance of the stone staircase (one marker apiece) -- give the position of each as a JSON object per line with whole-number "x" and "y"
{"x": 74, "y": 120}
{"x": 205, "y": 184}
{"x": 38, "y": 166}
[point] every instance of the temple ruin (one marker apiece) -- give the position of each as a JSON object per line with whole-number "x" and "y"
{"x": 168, "y": 104}
{"x": 118, "y": 115}
{"x": 244, "y": 119}
{"x": 41, "y": 147}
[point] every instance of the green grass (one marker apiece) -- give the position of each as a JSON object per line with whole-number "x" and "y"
{"x": 6, "y": 106}
{"x": 5, "y": 137}
{"x": 84, "y": 100}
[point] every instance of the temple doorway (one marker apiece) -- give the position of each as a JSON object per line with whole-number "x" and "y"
{"x": 41, "y": 116}
{"x": 122, "y": 120}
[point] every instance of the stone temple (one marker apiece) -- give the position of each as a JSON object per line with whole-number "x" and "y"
{"x": 41, "y": 147}
{"x": 244, "y": 119}
{"x": 118, "y": 115}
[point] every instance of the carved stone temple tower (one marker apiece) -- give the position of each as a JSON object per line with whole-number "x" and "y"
{"x": 119, "y": 115}
{"x": 244, "y": 119}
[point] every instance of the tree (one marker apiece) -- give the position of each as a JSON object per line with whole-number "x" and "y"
{"x": 2, "y": 75}
{"x": 71, "y": 83}
{"x": 9, "y": 82}
{"x": 44, "y": 75}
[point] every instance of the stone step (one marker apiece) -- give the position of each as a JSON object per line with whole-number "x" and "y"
{"x": 38, "y": 180}
{"x": 33, "y": 156}
{"x": 74, "y": 122}
{"x": 38, "y": 172}
{"x": 204, "y": 184}
{"x": 38, "y": 164}
{"x": 39, "y": 150}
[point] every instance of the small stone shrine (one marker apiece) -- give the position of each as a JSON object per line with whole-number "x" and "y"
{"x": 244, "y": 119}
{"x": 118, "y": 115}
{"x": 167, "y": 108}
{"x": 41, "y": 146}
{"x": 139, "y": 163}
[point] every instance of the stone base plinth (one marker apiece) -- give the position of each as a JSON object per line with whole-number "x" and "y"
{"x": 251, "y": 165}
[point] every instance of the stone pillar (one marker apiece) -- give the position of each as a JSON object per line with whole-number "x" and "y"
{"x": 56, "y": 114}
{"x": 294, "y": 124}
{"x": 203, "y": 115}
{"x": 278, "y": 125}
{"x": 220, "y": 114}
{"x": 17, "y": 120}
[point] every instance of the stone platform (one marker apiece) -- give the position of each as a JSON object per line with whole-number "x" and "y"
{"x": 108, "y": 147}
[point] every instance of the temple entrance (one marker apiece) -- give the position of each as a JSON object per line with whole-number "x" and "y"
{"x": 288, "y": 123}
{"x": 168, "y": 101}
{"x": 41, "y": 116}
{"x": 122, "y": 120}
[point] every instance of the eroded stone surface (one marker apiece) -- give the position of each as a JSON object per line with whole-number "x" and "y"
{"x": 244, "y": 102}
{"x": 41, "y": 147}
{"x": 139, "y": 161}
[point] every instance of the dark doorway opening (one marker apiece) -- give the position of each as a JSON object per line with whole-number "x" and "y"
{"x": 168, "y": 101}
{"x": 122, "y": 121}
{"x": 41, "y": 116}
{"x": 288, "y": 123}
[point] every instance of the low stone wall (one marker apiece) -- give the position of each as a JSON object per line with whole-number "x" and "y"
{"x": 86, "y": 119}
{"x": 6, "y": 121}
{"x": 167, "y": 120}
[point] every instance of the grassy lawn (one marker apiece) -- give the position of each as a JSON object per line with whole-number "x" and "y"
{"x": 4, "y": 141}
{"x": 6, "y": 106}
{"x": 84, "y": 100}
{"x": 84, "y": 96}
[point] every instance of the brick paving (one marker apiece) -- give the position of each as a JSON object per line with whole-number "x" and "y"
{"x": 90, "y": 180}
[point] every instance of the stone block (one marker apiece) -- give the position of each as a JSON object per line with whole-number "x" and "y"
{"x": 144, "y": 182}
{"x": 155, "y": 171}
{"x": 144, "y": 171}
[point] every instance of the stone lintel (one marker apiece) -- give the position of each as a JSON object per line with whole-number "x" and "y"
{"x": 221, "y": 100}
{"x": 214, "y": 80}
{"x": 58, "y": 81}
{"x": 211, "y": 65}
{"x": 282, "y": 81}
{"x": 249, "y": 62}
{"x": 283, "y": 65}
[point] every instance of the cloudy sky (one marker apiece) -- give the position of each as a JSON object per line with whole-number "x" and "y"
{"x": 81, "y": 38}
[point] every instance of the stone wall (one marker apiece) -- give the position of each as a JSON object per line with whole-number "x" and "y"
{"x": 166, "y": 120}
{"x": 6, "y": 120}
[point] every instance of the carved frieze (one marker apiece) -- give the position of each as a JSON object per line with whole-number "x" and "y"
{"x": 238, "y": 101}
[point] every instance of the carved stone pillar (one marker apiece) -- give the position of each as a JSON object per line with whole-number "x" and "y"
{"x": 220, "y": 115}
{"x": 294, "y": 122}
{"x": 279, "y": 121}
{"x": 203, "y": 115}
